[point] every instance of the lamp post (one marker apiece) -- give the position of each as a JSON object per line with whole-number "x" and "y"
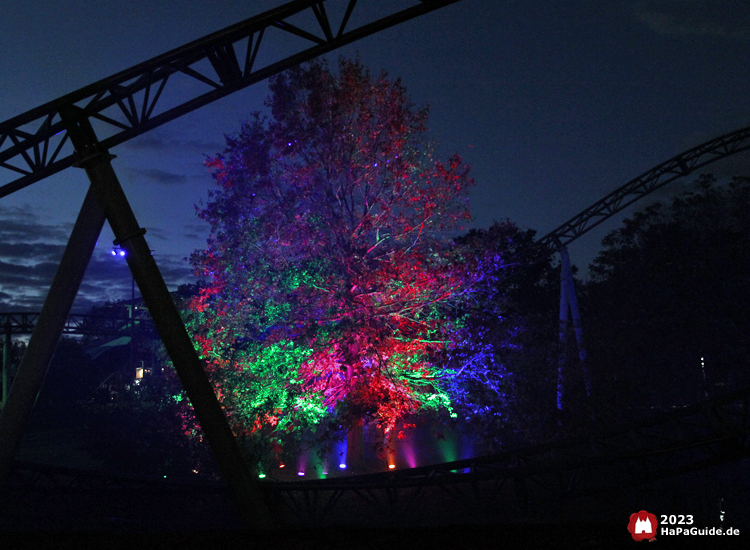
{"x": 120, "y": 253}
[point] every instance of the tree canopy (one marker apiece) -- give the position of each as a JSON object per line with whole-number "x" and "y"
{"x": 503, "y": 356}
{"x": 328, "y": 277}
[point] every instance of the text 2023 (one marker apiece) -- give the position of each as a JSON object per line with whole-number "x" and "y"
{"x": 677, "y": 519}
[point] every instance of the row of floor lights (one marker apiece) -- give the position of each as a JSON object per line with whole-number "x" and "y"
{"x": 301, "y": 473}
{"x": 449, "y": 455}
{"x": 342, "y": 462}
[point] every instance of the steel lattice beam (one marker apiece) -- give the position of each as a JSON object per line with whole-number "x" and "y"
{"x": 675, "y": 443}
{"x": 681, "y": 441}
{"x": 24, "y": 323}
{"x": 78, "y": 129}
{"x": 36, "y": 144}
{"x": 659, "y": 176}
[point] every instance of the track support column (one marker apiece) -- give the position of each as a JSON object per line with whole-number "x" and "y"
{"x": 6, "y": 362}
{"x": 47, "y": 332}
{"x": 130, "y": 236}
{"x": 569, "y": 309}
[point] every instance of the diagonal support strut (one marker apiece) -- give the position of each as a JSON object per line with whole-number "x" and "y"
{"x": 47, "y": 332}
{"x": 130, "y": 236}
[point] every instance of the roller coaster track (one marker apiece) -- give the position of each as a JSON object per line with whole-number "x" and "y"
{"x": 36, "y": 144}
{"x": 509, "y": 486}
{"x": 79, "y": 129}
{"x": 514, "y": 484}
{"x": 525, "y": 482}
{"x": 677, "y": 167}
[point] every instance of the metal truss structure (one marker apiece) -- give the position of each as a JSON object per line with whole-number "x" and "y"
{"x": 24, "y": 323}
{"x": 657, "y": 177}
{"x": 80, "y": 128}
{"x": 75, "y": 324}
{"x": 520, "y": 485}
{"x": 37, "y": 144}
{"x": 533, "y": 482}
{"x": 677, "y": 167}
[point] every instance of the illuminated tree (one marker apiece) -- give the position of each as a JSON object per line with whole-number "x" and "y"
{"x": 327, "y": 279}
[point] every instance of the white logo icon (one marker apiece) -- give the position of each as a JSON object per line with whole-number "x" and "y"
{"x": 643, "y": 526}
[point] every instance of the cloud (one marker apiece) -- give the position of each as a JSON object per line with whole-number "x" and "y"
{"x": 24, "y": 276}
{"x": 157, "y": 233}
{"x": 718, "y": 18}
{"x": 175, "y": 270}
{"x": 30, "y": 252}
{"x": 196, "y": 231}
{"x": 24, "y": 286}
{"x": 21, "y": 252}
{"x": 21, "y": 224}
{"x": 161, "y": 142}
{"x": 109, "y": 280}
{"x": 160, "y": 177}
{"x": 18, "y": 213}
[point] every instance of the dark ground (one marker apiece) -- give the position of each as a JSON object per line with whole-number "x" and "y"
{"x": 530, "y": 537}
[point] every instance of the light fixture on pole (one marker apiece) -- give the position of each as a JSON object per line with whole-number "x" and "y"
{"x": 121, "y": 253}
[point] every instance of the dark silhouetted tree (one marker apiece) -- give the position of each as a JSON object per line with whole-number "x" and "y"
{"x": 668, "y": 303}
{"x": 504, "y": 352}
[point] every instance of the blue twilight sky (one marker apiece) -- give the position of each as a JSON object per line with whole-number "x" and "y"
{"x": 553, "y": 103}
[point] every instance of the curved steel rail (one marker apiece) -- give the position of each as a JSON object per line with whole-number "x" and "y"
{"x": 677, "y": 167}
{"x": 532, "y": 481}
{"x": 36, "y": 144}
{"x": 505, "y": 487}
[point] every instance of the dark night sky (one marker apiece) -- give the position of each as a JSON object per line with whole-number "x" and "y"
{"x": 553, "y": 103}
